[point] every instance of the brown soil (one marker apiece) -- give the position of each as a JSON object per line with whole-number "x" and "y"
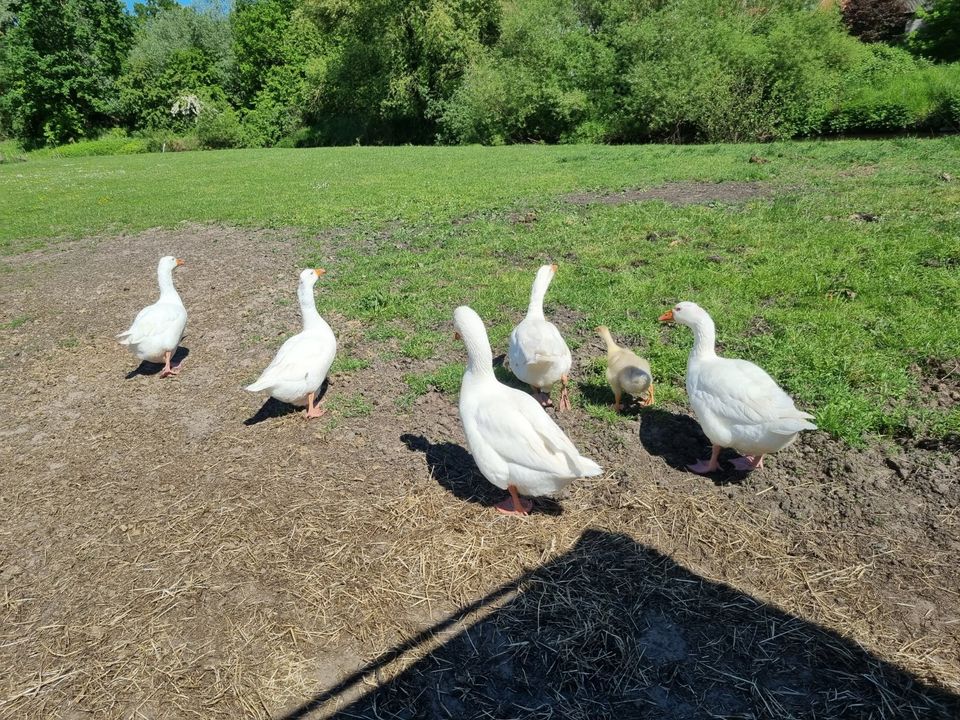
{"x": 178, "y": 548}
{"x": 679, "y": 193}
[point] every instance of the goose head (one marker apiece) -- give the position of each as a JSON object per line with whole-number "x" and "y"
{"x": 686, "y": 313}
{"x": 468, "y": 324}
{"x": 168, "y": 263}
{"x": 309, "y": 276}
{"x": 545, "y": 275}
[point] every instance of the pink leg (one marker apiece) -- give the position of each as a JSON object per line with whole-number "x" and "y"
{"x": 564, "y": 395}
{"x": 707, "y": 466}
{"x": 167, "y": 368}
{"x": 617, "y": 405}
{"x": 313, "y": 410}
{"x": 514, "y": 505}
{"x": 748, "y": 463}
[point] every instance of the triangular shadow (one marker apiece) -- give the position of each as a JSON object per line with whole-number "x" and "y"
{"x": 152, "y": 368}
{"x": 454, "y": 469}
{"x": 614, "y": 629}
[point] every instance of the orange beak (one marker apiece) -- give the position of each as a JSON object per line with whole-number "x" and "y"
{"x": 179, "y": 262}
{"x": 319, "y": 271}
{"x": 667, "y": 316}
{"x": 554, "y": 267}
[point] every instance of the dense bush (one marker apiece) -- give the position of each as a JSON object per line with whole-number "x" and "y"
{"x": 219, "y": 127}
{"x": 897, "y": 93}
{"x": 687, "y": 70}
{"x": 112, "y": 142}
{"x": 385, "y": 69}
{"x": 547, "y": 79}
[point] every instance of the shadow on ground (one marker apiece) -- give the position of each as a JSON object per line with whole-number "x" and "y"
{"x": 151, "y": 368}
{"x": 613, "y": 629}
{"x": 597, "y": 394}
{"x": 678, "y": 439}
{"x": 452, "y": 466}
{"x": 273, "y": 408}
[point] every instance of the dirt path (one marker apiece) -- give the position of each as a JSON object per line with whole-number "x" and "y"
{"x": 165, "y": 556}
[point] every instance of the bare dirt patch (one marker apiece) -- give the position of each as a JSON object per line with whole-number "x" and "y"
{"x": 939, "y": 382}
{"x": 165, "y": 557}
{"x": 679, "y": 193}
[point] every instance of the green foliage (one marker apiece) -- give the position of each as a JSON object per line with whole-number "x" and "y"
{"x": 177, "y": 51}
{"x": 258, "y": 29}
{"x": 58, "y": 63}
{"x": 387, "y": 68}
{"x": 547, "y": 79}
{"x": 113, "y": 142}
{"x": 282, "y": 90}
{"x": 308, "y": 72}
{"x": 151, "y": 8}
{"x": 938, "y": 37}
{"x": 893, "y": 91}
{"x": 680, "y": 70}
{"x": 219, "y": 127}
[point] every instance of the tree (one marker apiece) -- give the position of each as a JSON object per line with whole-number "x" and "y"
{"x": 876, "y": 20}
{"x": 259, "y": 28}
{"x": 143, "y": 11}
{"x": 176, "y": 51}
{"x": 388, "y": 66}
{"x": 60, "y": 59}
{"x": 938, "y": 36}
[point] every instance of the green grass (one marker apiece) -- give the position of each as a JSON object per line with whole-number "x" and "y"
{"x": 835, "y": 308}
{"x": 14, "y": 323}
{"x": 347, "y": 364}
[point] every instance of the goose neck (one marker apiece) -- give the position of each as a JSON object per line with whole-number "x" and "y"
{"x": 308, "y": 307}
{"x": 479, "y": 357}
{"x": 608, "y": 341}
{"x": 165, "y": 280}
{"x": 704, "y": 339}
{"x": 537, "y": 294}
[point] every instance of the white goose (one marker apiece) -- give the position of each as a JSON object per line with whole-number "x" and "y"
{"x": 537, "y": 353}
{"x": 302, "y": 362}
{"x": 157, "y": 329}
{"x": 737, "y": 403}
{"x": 516, "y": 445}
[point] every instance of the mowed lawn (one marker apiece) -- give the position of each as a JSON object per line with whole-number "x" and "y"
{"x": 840, "y": 275}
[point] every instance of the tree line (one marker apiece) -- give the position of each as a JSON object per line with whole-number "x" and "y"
{"x": 314, "y": 72}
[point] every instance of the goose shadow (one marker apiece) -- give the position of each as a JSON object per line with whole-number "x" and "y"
{"x": 616, "y": 629}
{"x": 457, "y": 473}
{"x": 678, "y": 439}
{"x": 273, "y": 408}
{"x": 601, "y": 394}
{"x": 151, "y": 368}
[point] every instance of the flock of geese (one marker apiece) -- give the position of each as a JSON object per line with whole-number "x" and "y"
{"x": 514, "y": 441}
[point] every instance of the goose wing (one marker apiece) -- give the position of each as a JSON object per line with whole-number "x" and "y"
{"x": 741, "y": 393}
